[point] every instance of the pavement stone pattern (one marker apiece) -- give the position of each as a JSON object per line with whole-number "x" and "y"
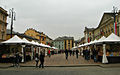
{"x": 59, "y": 60}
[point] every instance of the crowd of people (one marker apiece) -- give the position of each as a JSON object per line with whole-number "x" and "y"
{"x": 87, "y": 54}
{"x": 40, "y": 58}
{"x": 71, "y": 52}
{"x": 16, "y": 59}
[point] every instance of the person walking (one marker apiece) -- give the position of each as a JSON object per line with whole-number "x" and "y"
{"x": 95, "y": 54}
{"x": 17, "y": 57}
{"x": 77, "y": 54}
{"x": 36, "y": 59}
{"x": 87, "y": 54}
{"x": 42, "y": 55}
{"x": 73, "y": 52}
{"x": 49, "y": 53}
{"x": 66, "y": 53}
{"x": 70, "y": 52}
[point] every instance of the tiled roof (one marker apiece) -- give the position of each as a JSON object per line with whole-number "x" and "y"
{"x": 20, "y": 34}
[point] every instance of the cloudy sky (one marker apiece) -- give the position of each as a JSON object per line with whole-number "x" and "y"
{"x": 58, "y": 17}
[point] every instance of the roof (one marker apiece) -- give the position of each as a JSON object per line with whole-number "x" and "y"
{"x": 14, "y": 40}
{"x": 88, "y": 29}
{"x": 64, "y": 38}
{"x": 20, "y": 34}
{"x": 3, "y": 11}
{"x": 106, "y": 16}
{"x": 35, "y": 30}
{"x": 112, "y": 38}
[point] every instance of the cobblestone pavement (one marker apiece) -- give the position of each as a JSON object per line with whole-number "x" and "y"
{"x": 59, "y": 60}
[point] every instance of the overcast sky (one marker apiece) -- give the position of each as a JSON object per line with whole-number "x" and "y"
{"x": 58, "y": 17}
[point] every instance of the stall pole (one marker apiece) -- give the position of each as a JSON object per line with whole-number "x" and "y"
{"x": 104, "y": 59}
{"x": 23, "y": 59}
{"x": 32, "y": 49}
{"x": 39, "y": 50}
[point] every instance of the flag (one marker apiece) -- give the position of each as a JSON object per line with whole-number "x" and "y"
{"x": 116, "y": 28}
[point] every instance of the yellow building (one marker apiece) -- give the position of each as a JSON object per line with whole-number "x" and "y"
{"x": 68, "y": 42}
{"x": 21, "y": 35}
{"x": 36, "y": 34}
{"x": 3, "y": 24}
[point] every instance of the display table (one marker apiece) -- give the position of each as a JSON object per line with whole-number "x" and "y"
{"x": 111, "y": 59}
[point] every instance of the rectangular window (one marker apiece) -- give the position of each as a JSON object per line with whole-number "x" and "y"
{"x": 3, "y": 17}
{"x": 43, "y": 39}
{"x": 2, "y": 31}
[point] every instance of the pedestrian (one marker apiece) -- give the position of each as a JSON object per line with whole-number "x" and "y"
{"x": 66, "y": 53}
{"x": 70, "y": 52}
{"x": 17, "y": 57}
{"x": 73, "y": 52}
{"x": 95, "y": 54}
{"x": 77, "y": 54}
{"x": 84, "y": 53}
{"x": 49, "y": 53}
{"x": 87, "y": 54}
{"x": 42, "y": 55}
{"x": 36, "y": 59}
{"x": 14, "y": 58}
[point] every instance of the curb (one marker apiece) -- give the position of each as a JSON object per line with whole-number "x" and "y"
{"x": 85, "y": 65}
{"x": 64, "y": 66}
{"x": 4, "y": 67}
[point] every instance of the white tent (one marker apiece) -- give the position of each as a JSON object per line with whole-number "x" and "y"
{"x": 43, "y": 45}
{"x": 112, "y": 38}
{"x": 33, "y": 43}
{"x": 100, "y": 40}
{"x": 93, "y": 42}
{"x": 14, "y": 40}
{"x": 75, "y": 47}
{"x": 26, "y": 41}
{"x": 54, "y": 48}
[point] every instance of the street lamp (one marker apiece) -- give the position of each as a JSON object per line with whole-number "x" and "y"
{"x": 12, "y": 15}
{"x": 115, "y": 24}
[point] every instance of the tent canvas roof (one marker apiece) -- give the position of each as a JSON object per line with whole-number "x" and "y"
{"x": 26, "y": 41}
{"x": 112, "y": 38}
{"x": 14, "y": 40}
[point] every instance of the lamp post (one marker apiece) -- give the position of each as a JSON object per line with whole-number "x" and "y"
{"x": 115, "y": 24}
{"x": 12, "y": 15}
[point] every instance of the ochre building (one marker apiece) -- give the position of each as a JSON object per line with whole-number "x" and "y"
{"x": 3, "y": 24}
{"x": 36, "y": 34}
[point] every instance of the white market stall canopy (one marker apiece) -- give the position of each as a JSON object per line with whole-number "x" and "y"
{"x": 54, "y": 48}
{"x": 81, "y": 45}
{"x": 26, "y": 41}
{"x": 14, "y": 40}
{"x": 75, "y": 47}
{"x": 43, "y": 45}
{"x": 17, "y": 40}
{"x": 111, "y": 38}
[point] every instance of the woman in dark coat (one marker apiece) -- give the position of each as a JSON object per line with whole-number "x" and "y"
{"x": 36, "y": 59}
{"x": 42, "y": 55}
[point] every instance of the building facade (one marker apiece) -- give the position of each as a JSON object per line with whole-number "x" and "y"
{"x": 3, "y": 24}
{"x": 82, "y": 41}
{"x": 59, "y": 43}
{"x": 21, "y": 35}
{"x": 49, "y": 41}
{"x": 89, "y": 34}
{"x": 64, "y": 42}
{"x": 105, "y": 27}
{"x": 36, "y": 34}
